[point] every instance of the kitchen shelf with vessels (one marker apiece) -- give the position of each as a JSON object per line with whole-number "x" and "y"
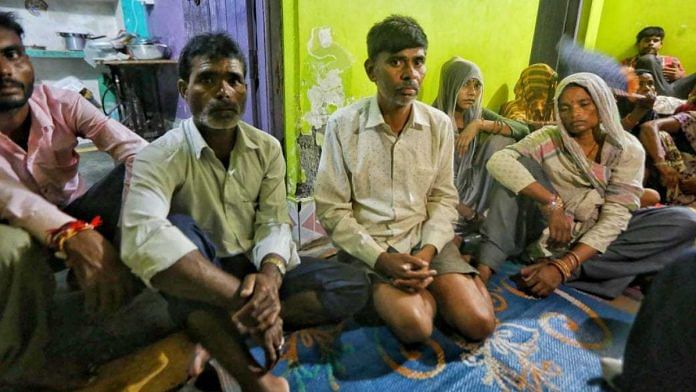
{"x": 55, "y": 54}
{"x": 135, "y": 62}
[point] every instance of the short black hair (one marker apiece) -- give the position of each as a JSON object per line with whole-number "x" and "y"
{"x": 214, "y": 46}
{"x": 8, "y": 20}
{"x": 394, "y": 34}
{"x": 650, "y": 31}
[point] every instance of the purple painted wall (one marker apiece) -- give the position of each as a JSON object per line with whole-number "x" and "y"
{"x": 175, "y": 23}
{"x": 167, "y": 23}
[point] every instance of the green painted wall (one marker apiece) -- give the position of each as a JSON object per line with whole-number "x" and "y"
{"x": 495, "y": 34}
{"x": 622, "y": 19}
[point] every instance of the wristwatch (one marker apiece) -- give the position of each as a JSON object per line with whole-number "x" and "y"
{"x": 277, "y": 261}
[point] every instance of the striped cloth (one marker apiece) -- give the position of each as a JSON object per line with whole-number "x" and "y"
{"x": 227, "y": 382}
{"x": 534, "y": 93}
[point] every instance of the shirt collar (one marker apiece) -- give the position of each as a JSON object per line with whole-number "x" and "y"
{"x": 416, "y": 121}
{"x": 198, "y": 144}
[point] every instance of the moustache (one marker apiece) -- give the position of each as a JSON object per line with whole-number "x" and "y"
{"x": 408, "y": 85}
{"x": 10, "y": 83}
{"x": 221, "y": 107}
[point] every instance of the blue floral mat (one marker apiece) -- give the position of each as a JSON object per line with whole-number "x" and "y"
{"x": 551, "y": 344}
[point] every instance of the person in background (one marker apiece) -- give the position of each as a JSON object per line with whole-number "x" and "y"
{"x": 635, "y": 110}
{"x": 48, "y": 216}
{"x": 479, "y": 133}
{"x": 385, "y": 194}
{"x": 690, "y": 104}
{"x": 568, "y": 200}
{"x": 206, "y": 223}
{"x": 667, "y": 71}
{"x": 670, "y": 143}
{"x": 533, "y": 103}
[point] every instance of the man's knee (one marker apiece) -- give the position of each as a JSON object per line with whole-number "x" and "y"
{"x": 344, "y": 289}
{"x": 187, "y": 225}
{"x": 413, "y": 326}
{"x": 465, "y": 303}
{"x": 181, "y": 221}
{"x": 478, "y": 325}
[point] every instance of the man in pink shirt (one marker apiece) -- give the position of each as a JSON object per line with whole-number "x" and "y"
{"x": 46, "y": 212}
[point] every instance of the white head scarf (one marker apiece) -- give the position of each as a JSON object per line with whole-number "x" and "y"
{"x": 610, "y": 123}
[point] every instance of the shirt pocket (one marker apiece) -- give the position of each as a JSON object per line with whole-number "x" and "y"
{"x": 246, "y": 186}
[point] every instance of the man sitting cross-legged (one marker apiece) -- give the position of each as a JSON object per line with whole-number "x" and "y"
{"x": 206, "y": 223}
{"x": 42, "y": 192}
{"x": 385, "y": 193}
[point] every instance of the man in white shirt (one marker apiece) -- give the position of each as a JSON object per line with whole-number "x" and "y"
{"x": 206, "y": 223}
{"x": 386, "y": 195}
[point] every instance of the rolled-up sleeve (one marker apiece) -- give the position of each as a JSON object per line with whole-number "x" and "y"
{"x": 508, "y": 171}
{"x": 272, "y": 222}
{"x": 518, "y": 130}
{"x": 442, "y": 199}
{"x": 26, "y": 209}
{"x": 150, "y": 243}
{"x": 332, "y": 194}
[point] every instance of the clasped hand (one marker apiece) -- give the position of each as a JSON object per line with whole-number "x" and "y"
{"x": 540, "y": 279}
{"x": 408, "y": 273}
{"x": 259, "y": 315}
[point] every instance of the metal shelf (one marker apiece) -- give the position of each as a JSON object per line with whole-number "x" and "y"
{"x": 135, "y": 62}
{"x": 56, "y": 54}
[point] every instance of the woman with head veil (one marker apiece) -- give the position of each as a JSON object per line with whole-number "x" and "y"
{"x": 573, "y": 190}
{"x": 533, "y": 103}
{"x": 479, "y": 133}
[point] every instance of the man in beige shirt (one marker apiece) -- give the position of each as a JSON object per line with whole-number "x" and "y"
{"x": 206, "y": 223}
{"x": 385, "y": 193}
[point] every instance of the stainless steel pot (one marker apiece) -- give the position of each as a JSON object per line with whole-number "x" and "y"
{"x": 149, "y": 51}
{"x": 74, "y": 41}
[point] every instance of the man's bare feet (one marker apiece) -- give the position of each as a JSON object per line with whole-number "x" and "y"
{"x": 199, "y": 358}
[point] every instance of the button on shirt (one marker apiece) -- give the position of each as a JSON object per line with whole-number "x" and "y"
{"x": 376, "y": 189}
{"x": 36, "y": 183}
{"x": 241, "y": 208}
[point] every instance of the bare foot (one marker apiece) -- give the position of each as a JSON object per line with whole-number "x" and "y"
{"x": 272, "y": 383}
{"x": 199, "y": 358}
